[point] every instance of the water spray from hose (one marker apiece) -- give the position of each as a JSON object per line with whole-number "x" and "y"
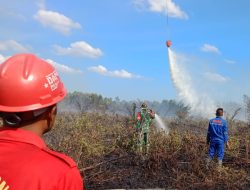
{"x": 160, "y": 124}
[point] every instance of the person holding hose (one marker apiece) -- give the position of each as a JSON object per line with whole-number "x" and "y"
{"x": 30, "y": 89}
{"x": 143, "y": 123}
{"x": 217, "y": 137}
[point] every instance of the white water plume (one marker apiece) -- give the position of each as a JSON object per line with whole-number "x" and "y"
{"x": 199, "y": 102}
{"x": 160, "y": 124}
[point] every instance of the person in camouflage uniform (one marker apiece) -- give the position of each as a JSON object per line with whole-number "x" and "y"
{"x": 143, "y": 122}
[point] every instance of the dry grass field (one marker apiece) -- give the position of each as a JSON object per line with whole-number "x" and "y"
{"x": 105, "y": 149}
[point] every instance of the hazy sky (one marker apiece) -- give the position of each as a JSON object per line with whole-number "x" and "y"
{"x": 117, "y": 47}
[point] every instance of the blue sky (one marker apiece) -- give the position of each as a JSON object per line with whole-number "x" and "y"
{"x": 117, "y": 47}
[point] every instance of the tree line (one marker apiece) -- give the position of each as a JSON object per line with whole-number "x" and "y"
{"x": 91, "y": 102}
{"x": 79, "y": 102}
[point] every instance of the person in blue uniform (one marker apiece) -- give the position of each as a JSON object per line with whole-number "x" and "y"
{"x": 217, "y": 137}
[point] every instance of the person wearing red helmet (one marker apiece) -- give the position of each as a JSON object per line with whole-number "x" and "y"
{"x": 30, "y": 88}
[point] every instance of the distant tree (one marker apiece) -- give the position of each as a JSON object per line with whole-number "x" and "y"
{"x": 232, "y": 110}
{"x": 246, "y": 100}
{"x": 128, "y": 107}
{"x": 235, "y": 113}
{"x": 182, "y": 111}
{"x": 81, "y": 101}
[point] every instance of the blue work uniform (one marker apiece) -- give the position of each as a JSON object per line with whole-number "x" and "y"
{"x": 217, "y": 136}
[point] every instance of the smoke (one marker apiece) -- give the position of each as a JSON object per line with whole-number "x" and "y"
{"x": 200, "y": 103}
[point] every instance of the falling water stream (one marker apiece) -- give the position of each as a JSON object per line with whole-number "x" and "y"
{"x": 199, "y": 102}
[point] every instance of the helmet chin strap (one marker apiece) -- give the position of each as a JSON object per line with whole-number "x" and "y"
{"x": 38, "y": 112}
{"x": 14, "y": 120}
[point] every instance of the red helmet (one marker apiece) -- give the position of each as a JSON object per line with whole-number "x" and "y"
{"x": 28, "y": 83}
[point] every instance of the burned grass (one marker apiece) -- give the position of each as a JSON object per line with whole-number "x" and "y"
{"x": 104, "y": 148}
